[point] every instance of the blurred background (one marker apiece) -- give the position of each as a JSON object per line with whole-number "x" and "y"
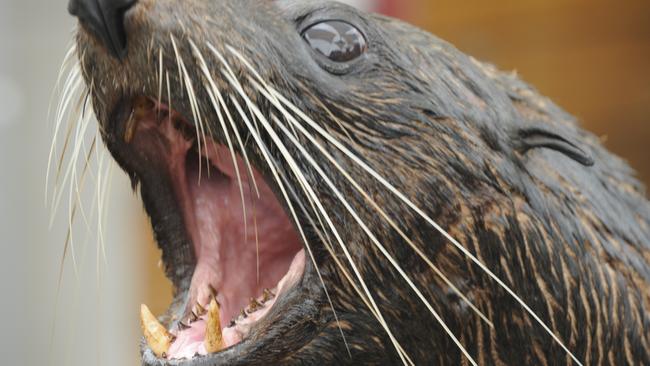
{"x": 592, "y": 57}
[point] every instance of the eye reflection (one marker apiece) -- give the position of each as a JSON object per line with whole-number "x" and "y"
{"x": 337, "y": 40}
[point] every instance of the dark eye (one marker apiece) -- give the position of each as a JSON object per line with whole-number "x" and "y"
{"x": 339, "y": 41}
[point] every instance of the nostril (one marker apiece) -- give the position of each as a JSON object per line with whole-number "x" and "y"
{"x": 105, "y": 19}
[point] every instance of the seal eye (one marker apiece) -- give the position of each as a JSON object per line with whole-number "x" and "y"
{"x": 337, "y": 40}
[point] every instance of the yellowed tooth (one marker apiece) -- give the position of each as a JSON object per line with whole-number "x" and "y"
{"x": 200, "y": 310}
{"x": 213, "y": 337}
{"x": 141, "y": 106}
{"x": 213, "y": 291}
{"x": 193, "y": 317}
{"x": 254, "y": 305}
{"x": 267, "y": 295}
{"x": 129, "y": 129}
{"x": 158, "y": 338}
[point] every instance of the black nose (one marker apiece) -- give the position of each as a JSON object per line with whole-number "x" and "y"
{"x": 105, "y": 18}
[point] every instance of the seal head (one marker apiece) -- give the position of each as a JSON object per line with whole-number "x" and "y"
{"x": 402, "y": 202}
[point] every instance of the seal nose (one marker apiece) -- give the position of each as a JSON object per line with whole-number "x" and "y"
{"x": 104, "y": 18}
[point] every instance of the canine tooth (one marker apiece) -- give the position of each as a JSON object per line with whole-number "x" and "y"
{"x": 158, "y": 338}
{"x": 213, "y": 337}
{"x": 143, "y": 104}
{"x": 130, "y": 128}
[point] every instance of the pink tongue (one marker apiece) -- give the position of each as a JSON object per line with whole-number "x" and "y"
{"x": 189, "y": 342}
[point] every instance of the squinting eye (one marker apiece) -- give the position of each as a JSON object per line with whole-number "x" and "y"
{"x": 339, "y": 41}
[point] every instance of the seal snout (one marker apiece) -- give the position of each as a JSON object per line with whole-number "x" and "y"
{"x": 105, "y": 19}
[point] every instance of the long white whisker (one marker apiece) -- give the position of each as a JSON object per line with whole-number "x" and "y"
{"x": 103, "y": 182}
{"x": 212, "y": 90}
{"x": 274, "y": 172}
{"x": 183, "y": 75}
{"x": 422, "y": 214}
{"x": 67, "y": 60}
{"x": 79, "y": 185}
{"x": 373, "y": 238}
{"x": 325, "y": 239}
{"x": 72, "y": 85}
{"x": 80, "y": 131}
{"x": 413, "y": 206}
{"x": 354, "y": 214}
{"x": 309, "y": 191}
{"x": 276, "y": 176}
{"x": 160, "y": 76}
{"x": 372, "y": 202}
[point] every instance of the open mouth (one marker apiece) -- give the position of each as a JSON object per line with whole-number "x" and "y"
{"x": 247, "y": 254}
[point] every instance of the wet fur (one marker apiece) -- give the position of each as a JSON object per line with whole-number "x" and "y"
{"x": 572, "y": 240}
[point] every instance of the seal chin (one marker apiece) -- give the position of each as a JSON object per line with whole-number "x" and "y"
{"x": 247, "y": 254}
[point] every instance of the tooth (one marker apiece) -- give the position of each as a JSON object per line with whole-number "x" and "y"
{"x": 158, "y": 338}
{"x": 254, "y": 305}
{"x": 183, "y": 326}
{"x": 193, "y": 317}
{"x": 267, "y": 295}
{"x": 213, "y": 337}
{"x": 131, "y": 126}
{"x": 141, "y": 106}
{"x": 213, "y": 292}
{"x": 200, "y": 310}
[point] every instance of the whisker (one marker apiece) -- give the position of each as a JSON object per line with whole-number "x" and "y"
{"x": 360, "y": 222}
{"x": 325, "y": 239}
{"x": 275, "y": 174}
{"x": 374, "y": 239}
{"x": 71, "y": 87}
{"x": 212, "y": 90}
{"x": 67, "y": 60}
{"x": 234, "y": 126}
{"x": 101, "y": 196}
{"x": 79, "y": 185}
{"x": 386, "y": 217}
{"x": 80, "y": 130}
{"x": 282, "y": 188}
{"x": 160, "y": 78}
{"x": 409, "y": 203}
{"x": 309, "y": 191}
{"x": 358, "y": 188}
{"x": 182, "y": 74}
{"x": 423, "y": 215}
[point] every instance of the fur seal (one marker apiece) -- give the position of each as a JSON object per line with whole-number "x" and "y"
{"x": 329, "y": 186}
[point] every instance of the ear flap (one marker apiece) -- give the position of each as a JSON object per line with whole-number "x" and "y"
{"x": 535, "y": 138}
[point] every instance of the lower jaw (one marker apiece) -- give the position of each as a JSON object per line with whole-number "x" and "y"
{"x": 281, "y": 325}
{"x": 191, "y": 342}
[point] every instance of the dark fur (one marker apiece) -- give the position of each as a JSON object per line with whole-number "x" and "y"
{"x": 500, "y": 167}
